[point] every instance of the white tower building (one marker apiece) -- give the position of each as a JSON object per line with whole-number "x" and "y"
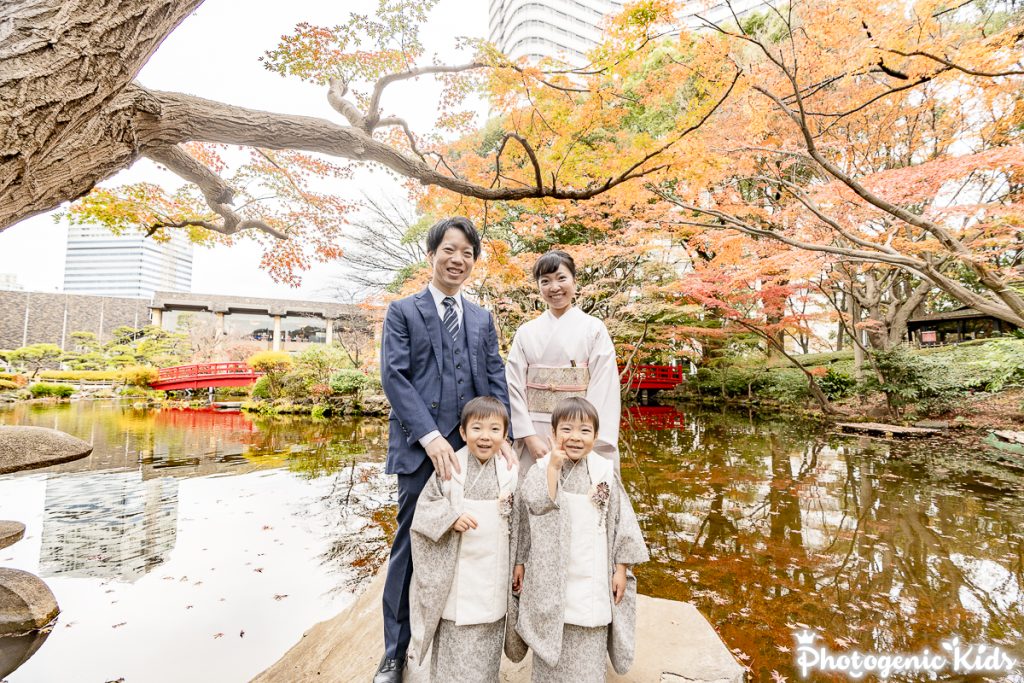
{"x": 566, "y": 29}
{"x": 128, "y": 265}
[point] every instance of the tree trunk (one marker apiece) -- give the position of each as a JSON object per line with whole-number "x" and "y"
{"x": 65, "y": 122}
{"x": 858, "y": 347}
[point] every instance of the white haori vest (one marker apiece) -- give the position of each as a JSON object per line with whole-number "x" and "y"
{"x": 587, "y": 600}
{"x": 479, "y": 590}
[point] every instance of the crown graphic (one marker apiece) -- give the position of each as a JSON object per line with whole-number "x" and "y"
{"x": 805, "y": 637}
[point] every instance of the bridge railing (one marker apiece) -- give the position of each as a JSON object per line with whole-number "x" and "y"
{"x": 660, "y": 376}
{"x": 205, "y": 370}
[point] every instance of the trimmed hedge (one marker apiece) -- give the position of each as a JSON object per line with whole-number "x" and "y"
{"x": 82, "y": 375}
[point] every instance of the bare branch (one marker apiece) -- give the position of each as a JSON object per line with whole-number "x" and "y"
{"x": 951, "y": 65}
{"x": 529, "y": 152}
{"x": 217, "y": 193}
{"x": 373, "y": 108}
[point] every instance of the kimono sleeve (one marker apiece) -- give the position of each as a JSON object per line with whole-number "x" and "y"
{"x": 515, "y": 377}
{"x": 630, "y": 547}
{"x": 535, "y": 491}
{"x": 604, "y": 391}
{"x": 434, "y": 514}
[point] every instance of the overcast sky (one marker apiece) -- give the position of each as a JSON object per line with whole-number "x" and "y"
{"x": 214, "y": 54}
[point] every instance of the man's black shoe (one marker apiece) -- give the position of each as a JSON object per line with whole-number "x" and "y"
{"x": 390, "y": 670}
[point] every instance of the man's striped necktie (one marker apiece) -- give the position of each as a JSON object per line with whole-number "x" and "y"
{"x": 451, "y": 318}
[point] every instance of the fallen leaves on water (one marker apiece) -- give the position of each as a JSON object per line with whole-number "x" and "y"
{"x": 258, "y": 570}
{"x": 119, "y": 625}
{"x": 241, "y": 634}
{"x": 218, "y": 635}
{"x": 777, "y": 677}
{"x": 280, "y": 597}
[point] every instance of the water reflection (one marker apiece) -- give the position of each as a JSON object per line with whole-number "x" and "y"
{"x": 226, "y": 536}
{"x": 880, "y": 546}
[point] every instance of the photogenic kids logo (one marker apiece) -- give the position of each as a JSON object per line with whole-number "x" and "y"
{"x": 954, "y": 656}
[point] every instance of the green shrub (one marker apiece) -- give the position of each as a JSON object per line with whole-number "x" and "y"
{"x": 139, "y": 375}
{"x": 786, "y": 385}
{"x": 19, "y": 380}
{"x": 261, "y": 389}
{"x": 44, "y": 390}
{"x": 837, "y": 384}
{"x": 6, "y": 384}
{"x": 297, "y": 383}
{"x": 82, "y": 375}
{"x": 349, "y": 381}
{"x": 274, "y": 365}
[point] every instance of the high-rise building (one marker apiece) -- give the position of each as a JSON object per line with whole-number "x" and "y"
{"x": 9, "y": 281}
{"x": 566, "y": 29}
{"x": 127, "y": 265}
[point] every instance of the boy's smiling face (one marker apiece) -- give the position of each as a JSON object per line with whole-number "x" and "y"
{"x": 576, "y": 437}
{"x": 483, "y": 435}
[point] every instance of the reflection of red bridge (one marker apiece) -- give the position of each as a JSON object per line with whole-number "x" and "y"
{"x": 204, "y": 419}
{"x": 652, "y": 418}
{"x": 203, "y": 375}
{"x": 655, "y": 376}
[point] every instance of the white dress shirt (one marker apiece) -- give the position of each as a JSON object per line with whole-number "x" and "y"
{"x": 439, "y": 296}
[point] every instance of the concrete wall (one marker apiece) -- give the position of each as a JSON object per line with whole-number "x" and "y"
{"x": 51, "y": 318}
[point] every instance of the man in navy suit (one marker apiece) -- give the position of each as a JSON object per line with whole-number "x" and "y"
{"x": 438, "y": 352}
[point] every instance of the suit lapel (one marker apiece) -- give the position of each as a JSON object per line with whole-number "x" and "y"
{"x": 428, "y": 310}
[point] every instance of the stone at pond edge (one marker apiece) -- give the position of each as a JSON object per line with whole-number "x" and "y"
{"x": 25, "y": 448}
{"x": 26, "y": 603}
{"x": 10, "y": 533}
{"x": 16, "y": 650}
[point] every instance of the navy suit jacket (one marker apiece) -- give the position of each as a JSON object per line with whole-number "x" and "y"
{"x": 410, "y": 371}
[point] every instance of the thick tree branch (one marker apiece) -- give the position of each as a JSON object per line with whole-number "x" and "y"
{"x": 217, "y": 193}
{"x": 336, "y": 91}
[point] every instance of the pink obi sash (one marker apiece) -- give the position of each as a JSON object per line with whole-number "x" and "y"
{"x": 547, "y": 385}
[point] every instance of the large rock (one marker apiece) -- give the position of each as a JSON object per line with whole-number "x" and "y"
{"x": 15, "y": 650}
{"x": 674, "y": 643}
{"x": 26, "y": 603}
{"x": 25, "y": 448}
{"x": 10, "y": 533}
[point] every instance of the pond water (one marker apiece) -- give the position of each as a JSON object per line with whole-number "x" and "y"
{"x": 195, "y": 545}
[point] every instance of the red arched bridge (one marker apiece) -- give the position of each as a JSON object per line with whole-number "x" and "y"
{"x": 204, "y": 375}
{"x": 239, "y": 374}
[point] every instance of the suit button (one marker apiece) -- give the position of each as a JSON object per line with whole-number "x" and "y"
{"x": 462, "y": 398}
{"x": 456, "y": 352}
{"x": 460, "y": 380}
{"x": 433, "y": 404}
{"x": 458, "y": 366}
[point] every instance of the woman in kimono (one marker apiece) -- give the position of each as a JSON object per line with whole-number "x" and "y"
{"x": 463, "y": 544}
{"x": 562, "y": 353}
{"x": 579, "y": 538}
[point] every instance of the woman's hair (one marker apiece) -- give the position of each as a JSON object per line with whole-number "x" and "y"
{"x": 436, "y": 234}
{"x": 549, "y": 263}
{"x": 484, "y": 406}
{"x": 575, "y": 408}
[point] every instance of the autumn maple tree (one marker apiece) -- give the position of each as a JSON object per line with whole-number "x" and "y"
{"x": 73, "y": 116}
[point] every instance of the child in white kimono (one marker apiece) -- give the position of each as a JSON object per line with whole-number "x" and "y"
{"x": 579, "y": 538}
{"x": 462, "y": 549}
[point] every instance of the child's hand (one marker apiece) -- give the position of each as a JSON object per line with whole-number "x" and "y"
{"x": 558, "y": 456}
{"x": 619, "y": 583}
{"x": 517, "y": 578}
{"x": 465, "y": 522}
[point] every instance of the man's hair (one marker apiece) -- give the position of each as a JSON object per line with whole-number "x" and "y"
{"x": 549, "y": 263}
{"x": 484, "y": 406}
{"x": 436, "y": 234}
{"x": 575, "y": 408}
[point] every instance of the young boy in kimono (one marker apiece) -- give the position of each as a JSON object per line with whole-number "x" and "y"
{"x": 462, "y": 550}
{"x": 577, "y": 602}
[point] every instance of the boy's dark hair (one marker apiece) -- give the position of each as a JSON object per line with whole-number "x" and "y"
{"x": 575, "y": 408}
{"x": 484, "y": 406}
{"x": 549, "y": 263}
{"x": 436, "y": 233}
